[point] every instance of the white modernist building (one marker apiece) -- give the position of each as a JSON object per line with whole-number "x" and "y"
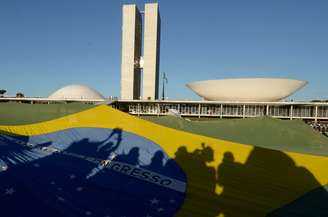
{"x": 131, "y": 52}
{"x": 133, "y": 63}
{"x": 69, "y": 93}
{"x": 76, "y": 92}
{"x": 246, "y": 89}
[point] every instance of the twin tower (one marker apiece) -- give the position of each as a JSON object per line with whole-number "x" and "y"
{"x": 140, "y": 68}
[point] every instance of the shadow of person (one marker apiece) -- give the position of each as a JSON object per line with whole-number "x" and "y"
{"x": 132, "y": 157}
{"x": 228, "y": 177}
{"x": 100, "y": 149}
{"x": 228, "y": 170}
{"x": 268, "y": 180}
{"x": 111, "y": 143}
{"x": 156, "y": 163}
{"x": 103, "y": 150}
{"x": 201, "y": 181}
{"x": 269, "y": 183}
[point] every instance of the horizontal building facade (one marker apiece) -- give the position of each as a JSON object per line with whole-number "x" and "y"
{"x": 215, "y": 109}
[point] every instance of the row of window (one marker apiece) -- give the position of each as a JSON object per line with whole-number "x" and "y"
{"x": 230, "y": 110}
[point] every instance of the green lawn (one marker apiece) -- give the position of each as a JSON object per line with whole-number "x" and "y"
{"x": 291, "y": 135}
{"x": 14, "y": 113}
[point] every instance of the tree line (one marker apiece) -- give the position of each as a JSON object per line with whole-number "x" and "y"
{"x": 18, "y": 94}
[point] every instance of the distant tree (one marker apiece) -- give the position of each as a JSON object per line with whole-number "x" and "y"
{"x": 19, "y": 95}
{"x": 2, "y": 92}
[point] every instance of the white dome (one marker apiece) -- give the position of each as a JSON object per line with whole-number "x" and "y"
{"x": 76, "y": 92}
{"x": 246, "y": 89}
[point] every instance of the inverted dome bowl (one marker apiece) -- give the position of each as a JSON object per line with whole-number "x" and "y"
{"x": 246, "y": 89}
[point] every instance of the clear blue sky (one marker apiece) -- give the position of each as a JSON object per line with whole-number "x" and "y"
{"x": 45, "y": 44}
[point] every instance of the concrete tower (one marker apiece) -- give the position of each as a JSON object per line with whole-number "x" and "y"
{"x": 132, "y": 62}
{"x": 131, "y": 52}
{"x": 151, "y": 51}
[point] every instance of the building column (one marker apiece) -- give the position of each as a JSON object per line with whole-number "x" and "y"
{"x": 244, "y": 110}
{"x": 291, "y": 113}
{"x": 267, "y": 110}
{"x": 221, "y": 108}
{"x": 138, "y": 109}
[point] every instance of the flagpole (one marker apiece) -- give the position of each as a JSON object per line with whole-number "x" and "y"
{"x": 163, "y": 95}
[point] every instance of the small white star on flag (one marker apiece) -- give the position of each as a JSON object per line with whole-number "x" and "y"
{"x": 160, "y": 210}
{"x": 154, "y": 201}
{"x": 172, "y": 201}
{"x": 60, "y": 198}
{"x": 79, "y": 189}
{"x": 88, "y": 213}
{"x": 9, "y": 191}
{"x": 72, "y": 176}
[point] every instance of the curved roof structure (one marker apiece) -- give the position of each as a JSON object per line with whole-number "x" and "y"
{"x": 246, "y": 89}
{"x": 76, "y": 92}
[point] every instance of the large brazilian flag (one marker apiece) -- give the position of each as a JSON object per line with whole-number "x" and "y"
{"x": 102, "y": 162}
